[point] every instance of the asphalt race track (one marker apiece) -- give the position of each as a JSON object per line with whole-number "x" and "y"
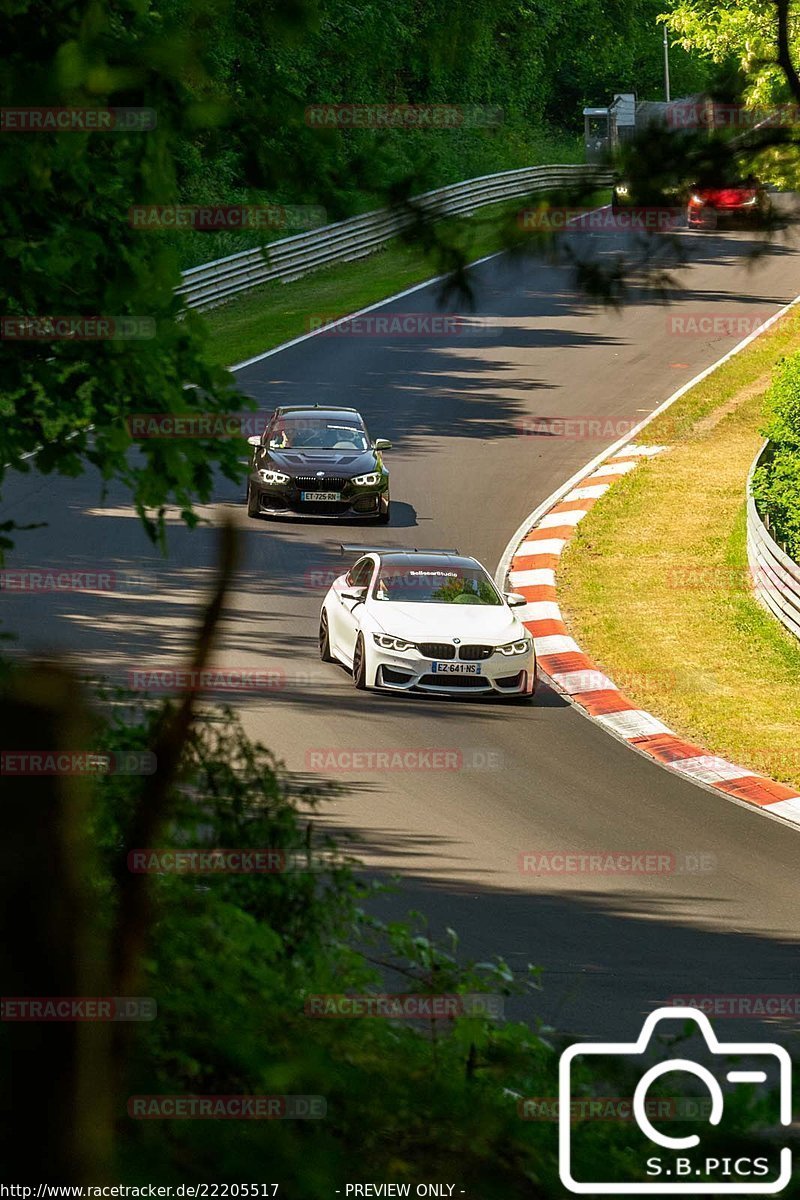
{"x": 479, "y": 441}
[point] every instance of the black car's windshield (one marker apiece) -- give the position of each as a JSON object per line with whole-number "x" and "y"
{"x": 435, "y": 585}
{"x": 321, "y": 433}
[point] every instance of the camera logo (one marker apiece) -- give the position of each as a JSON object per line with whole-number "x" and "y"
{"x": 682, "y": 1167}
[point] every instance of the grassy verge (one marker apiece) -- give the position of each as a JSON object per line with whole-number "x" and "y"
{"x": 277, "y": 311}
{"x": 655, "y": 584}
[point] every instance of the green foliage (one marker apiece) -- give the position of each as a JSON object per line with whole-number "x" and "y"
{"x": 232, "y": 962}
{"x": 776, "y": 483}
{"x": 229, "y": 82}
{"x": 739, "y": 37}
{"x": 235, "y": 963}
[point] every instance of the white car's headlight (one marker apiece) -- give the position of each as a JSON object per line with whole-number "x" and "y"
{"x": 369, "y": 480}
{"x": 273, "y": 476}
{"x": 387, "y": 642}
{"x": 622, "y": 189}
{"x": 695, "y": 199}
{"x": 520, "y": 647}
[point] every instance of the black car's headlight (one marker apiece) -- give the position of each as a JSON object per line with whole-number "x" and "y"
{"x": 368, "y": 480}
{"x": 273, "y": 476}
{"x": 387, "y": 642}
{"x": 520, "y": 647}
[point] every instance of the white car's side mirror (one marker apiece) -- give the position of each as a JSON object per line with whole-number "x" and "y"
{"x": 358, "y": 594}
{"x": 254, "y": 440}
{"x": 515, "y": 600}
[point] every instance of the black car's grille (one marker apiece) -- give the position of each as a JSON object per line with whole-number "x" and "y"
{"x": 310, "y": 483}
{"x": 475, "y": 653}
{"x": 436, "y": 650}
{"x": 456, "y": 681}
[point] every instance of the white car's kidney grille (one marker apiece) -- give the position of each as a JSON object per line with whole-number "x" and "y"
{"x": 437, "y": 650}
{"x": 475, "y": 653}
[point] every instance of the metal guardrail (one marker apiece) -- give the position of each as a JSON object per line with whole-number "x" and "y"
{"x": 776, "y": 576}
{"x": 289, "y": 258}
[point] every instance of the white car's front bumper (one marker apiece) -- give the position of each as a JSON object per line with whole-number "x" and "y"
{"x": 499, "y": 675}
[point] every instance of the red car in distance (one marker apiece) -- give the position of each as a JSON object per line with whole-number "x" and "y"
{"x": 745, "y": 202}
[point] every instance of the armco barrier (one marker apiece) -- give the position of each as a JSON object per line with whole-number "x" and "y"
{"x": 776, "y": 577}
{"x": 214, "y": 282}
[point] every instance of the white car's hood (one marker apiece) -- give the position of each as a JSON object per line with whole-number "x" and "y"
{"x": 429, "y": 622}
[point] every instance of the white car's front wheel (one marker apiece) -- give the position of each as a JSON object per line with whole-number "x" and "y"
{"x": 360, "y": 664}
{"x": 324, "y": 639}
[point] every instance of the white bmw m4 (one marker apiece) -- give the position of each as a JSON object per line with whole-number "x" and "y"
{"x": 426, "y": 621}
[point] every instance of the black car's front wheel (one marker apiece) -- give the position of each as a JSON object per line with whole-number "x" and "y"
{"x": 324, "y": 638}
{"x": 252, "y": 501}
{"x": 385, "y": 514}
{"x": 359, "y": 665}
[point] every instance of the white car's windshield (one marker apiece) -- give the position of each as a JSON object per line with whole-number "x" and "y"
{"x": 436, "y": 585}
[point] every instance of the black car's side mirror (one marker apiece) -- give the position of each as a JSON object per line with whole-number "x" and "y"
{"x": 383, "y": 444}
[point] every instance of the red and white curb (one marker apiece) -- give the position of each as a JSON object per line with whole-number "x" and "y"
{"x": 532, "y": 573}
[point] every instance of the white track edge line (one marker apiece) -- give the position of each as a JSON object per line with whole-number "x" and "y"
{"x": 580, "y": 475}
{"x": 417, "y": 287}
{"x": 525, "y": 526}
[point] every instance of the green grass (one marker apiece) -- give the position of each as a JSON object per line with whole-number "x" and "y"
{"x": 655, "y": 584}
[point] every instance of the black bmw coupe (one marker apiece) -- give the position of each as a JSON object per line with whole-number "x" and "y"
{"x": 318, "y": 461}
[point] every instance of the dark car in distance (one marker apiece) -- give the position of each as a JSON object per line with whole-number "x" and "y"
{"x": 319, "y": 461}
{"x": 742, "y": 202}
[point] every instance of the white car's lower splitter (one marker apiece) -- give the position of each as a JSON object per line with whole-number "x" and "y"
{"x": 394, "y": 678}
